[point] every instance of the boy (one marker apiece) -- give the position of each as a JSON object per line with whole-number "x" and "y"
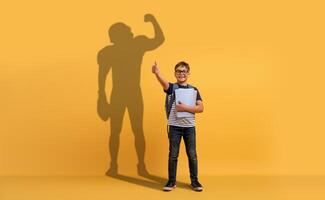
{"x": 181, "y": 127}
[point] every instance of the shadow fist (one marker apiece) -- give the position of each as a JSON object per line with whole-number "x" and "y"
{"x": 149, "y": 18}
{"x": 103, "y": 107}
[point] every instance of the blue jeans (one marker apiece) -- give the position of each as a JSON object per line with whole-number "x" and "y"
{"x": 175, "y": 135}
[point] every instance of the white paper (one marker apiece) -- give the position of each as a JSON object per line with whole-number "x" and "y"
{"x": 186, "y": 96}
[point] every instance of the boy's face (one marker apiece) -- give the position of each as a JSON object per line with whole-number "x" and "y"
{"x": 181, "y": 74}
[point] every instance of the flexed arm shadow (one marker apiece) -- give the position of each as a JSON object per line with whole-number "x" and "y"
{"x": 124, "y": 58}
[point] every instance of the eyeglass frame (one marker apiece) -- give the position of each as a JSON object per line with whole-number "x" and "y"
{"x": 181, "y": 71}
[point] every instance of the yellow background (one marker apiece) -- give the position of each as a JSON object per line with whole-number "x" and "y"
{"x": 259, "y": 66}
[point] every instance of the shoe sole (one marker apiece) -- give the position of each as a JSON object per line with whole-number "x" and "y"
{"x": 167, "y": 189}
{"x": 197, "y": 189}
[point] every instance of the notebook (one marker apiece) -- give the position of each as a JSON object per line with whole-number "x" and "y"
{"x": 186, "y": 96}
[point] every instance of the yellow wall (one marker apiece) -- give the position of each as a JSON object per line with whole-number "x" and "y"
{"x": 259, "y": 67}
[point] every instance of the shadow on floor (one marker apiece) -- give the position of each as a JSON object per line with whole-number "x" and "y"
{"x": 153, "y": 182}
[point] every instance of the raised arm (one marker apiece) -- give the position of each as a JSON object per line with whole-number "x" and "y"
{"x": 159, "y": 35}
{"x": 157, "y": 40}
{"x": 163, "y": 82}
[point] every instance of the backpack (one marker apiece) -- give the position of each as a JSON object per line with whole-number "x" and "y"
{"x": 170, "y": 98}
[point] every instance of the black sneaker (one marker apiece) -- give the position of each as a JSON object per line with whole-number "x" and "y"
{"x": 196, "y": 186}
{"x": 170, "y": 185}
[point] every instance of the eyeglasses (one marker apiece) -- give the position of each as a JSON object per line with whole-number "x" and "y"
{"x": 181, "y": 71}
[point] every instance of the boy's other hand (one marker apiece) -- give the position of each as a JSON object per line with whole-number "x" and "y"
{"x": 149, "y": 18}
{"x": 155, "y": 68}
{"x": 180, "y": 107}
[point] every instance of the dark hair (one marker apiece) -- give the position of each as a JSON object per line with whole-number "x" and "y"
{"x": 183, "y": 63}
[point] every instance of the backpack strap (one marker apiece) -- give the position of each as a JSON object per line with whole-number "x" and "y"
{"x": 170, "y": 99}
{"x": 190, "y": 86}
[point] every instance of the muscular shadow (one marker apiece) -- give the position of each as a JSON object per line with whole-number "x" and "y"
{"x": 124, "y": 57}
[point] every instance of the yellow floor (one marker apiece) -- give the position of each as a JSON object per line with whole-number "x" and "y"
{"x": 127, "y": 187}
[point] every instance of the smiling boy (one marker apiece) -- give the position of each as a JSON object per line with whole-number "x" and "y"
{"x": 180, "y": 126}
